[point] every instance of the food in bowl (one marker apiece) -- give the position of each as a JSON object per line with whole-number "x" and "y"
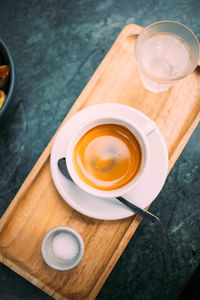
{"x": 7, "y": 82}
{"x": 4, "y": 74}
{"x": 2, "y": 98}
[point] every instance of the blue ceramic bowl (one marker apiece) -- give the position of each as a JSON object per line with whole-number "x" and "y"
{"x": 6, "y": 59}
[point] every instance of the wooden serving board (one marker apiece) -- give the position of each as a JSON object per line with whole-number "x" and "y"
{"x": 38, "y": 207}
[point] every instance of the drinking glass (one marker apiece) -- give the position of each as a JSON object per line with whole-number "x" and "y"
{"x": 166, "y": 52}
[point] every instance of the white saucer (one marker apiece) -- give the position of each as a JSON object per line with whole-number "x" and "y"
{"x": 110, "y": 208}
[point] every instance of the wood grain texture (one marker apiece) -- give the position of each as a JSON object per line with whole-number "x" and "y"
{"x": 38, "y": 207}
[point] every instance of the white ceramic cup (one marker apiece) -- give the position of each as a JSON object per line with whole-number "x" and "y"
{"x": 140, "y": 134}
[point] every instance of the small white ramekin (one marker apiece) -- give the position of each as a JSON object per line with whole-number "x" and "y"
{"x": 49, "y": 256}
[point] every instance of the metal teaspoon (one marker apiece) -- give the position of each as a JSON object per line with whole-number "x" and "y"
{"x": 138, "y": 210}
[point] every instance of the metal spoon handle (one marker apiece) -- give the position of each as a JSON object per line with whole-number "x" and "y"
{"x": 140, "y": 211}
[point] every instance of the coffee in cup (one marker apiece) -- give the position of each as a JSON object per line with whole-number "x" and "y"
{"x": 107, "y": 157}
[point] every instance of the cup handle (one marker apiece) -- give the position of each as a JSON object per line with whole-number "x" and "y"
{"x": 149, "y": 128}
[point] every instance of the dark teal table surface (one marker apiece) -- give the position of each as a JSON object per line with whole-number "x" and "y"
{"x": 57, "y": 46}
